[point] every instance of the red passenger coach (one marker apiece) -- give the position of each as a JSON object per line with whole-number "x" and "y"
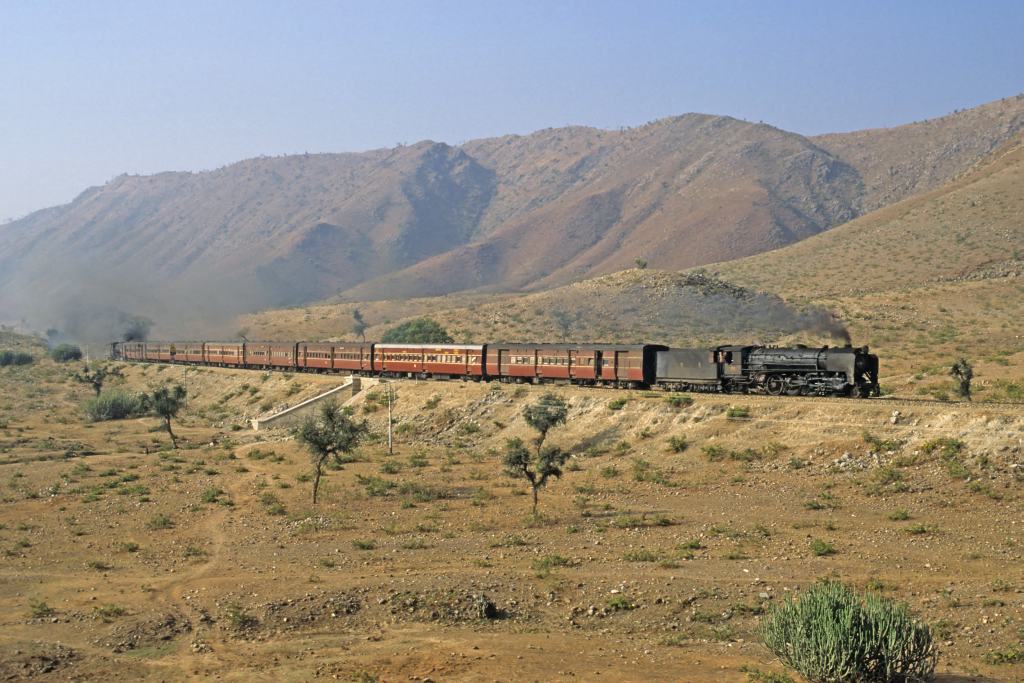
{"x": 454, "y": 360}
{"x": 433, "y": 360}
{"x": 283, "y": 355}
{"x": 159, "y": 352}
{"x": 189, "y": 352}
{"x": 398, "y": 358}
{"x": 353, "y": 357}
{"x": 618, "y": 365}
{"x": 315, "y": 356}
{"x": 270, "y": 354}
{"x": 225, "y": 353}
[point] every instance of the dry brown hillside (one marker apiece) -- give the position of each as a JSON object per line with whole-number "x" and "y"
{"x": 895, "y": 163}
{"x": 924, "y": 281}
{"x": 514, "y": 212}
{"x": 677, "y": 192}
{"x": 971, "y": 228}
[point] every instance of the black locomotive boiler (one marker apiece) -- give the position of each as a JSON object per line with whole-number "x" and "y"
{"x": 793, "y": 371}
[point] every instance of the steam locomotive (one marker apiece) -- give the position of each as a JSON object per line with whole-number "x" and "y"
{"x": 794, "y": 371}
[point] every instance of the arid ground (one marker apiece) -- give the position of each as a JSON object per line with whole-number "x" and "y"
{"x": 671, "y": 532}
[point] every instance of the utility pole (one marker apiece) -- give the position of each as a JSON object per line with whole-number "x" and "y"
{"x": 391, "y": 448}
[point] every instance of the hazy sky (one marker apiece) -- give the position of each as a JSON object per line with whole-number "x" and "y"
{"x": 91, "y": 89}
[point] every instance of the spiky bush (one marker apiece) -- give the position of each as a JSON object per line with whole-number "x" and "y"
{"x": 115, "y": 405}
{"x": 832, "y": 634}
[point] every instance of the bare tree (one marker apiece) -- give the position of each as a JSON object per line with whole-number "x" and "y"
{"x": 96, "y": 376}
{"x": 564, "y": 322}
{"x": 329, "y": 435}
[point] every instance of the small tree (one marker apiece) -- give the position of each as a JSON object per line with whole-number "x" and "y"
{"x": 358, "y": 324}
{"x": 520, "y": 463}
{"x": 419, "y": 331}
{"x": 166, "y": 402}
{"x": 96, "y": 376}
{"x": 328, "y": 435}
{"x": 641, "y": 263}
{"x": 564, "y": 322}
{"x": 549, "y": 412}
{"x": 964, "y": 373}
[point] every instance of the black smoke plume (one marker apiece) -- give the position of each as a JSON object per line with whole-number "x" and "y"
{"x": 135, "y": 327}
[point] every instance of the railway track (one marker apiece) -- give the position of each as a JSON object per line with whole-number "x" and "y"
{"x": 880, "y": 400}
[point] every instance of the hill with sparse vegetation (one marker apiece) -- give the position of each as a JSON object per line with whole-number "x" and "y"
{"x": 931, "y": 278}
{"x": 511, "y": 213}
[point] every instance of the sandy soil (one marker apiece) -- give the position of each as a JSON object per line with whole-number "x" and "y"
{"x": 125, "y": 560}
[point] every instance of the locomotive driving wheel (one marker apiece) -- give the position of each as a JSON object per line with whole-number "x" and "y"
{"x": 774, "y": 385}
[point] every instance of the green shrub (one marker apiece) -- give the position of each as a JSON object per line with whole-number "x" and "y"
{"x": 422, "y": 493}
{"x": 115, "y": 405}
{"x": 642, "y": 555}
{"x": 375, "y": 486}
{"x": 944, "y": 446}
{"x": 645, "y": 471}
{"x": 391, "y": 467}
{"x": 238, "y": 618}
{"x": 1010, "y": 655}
{"x": 881, "y": 445}
{"x": 38, "y": 609}
{"x": 63, "y": 353}
{"x": 677, "y": 444}
{"x": 737, "y": 412}
{"x": 620, "y": 603}
{"x": 109, "y": 611}
{"x": 678, "y": 401}
{"x": 211, "y": 494}
{"x": 715, "y": 453}
{"x": 617, "y": 403}
{"x": 160, "y": 522}
{"x": 15, "y": 358}
{"x": 832, "y": 634}
{"x": 549, "y": 562}
{"x": 822, "y": 548}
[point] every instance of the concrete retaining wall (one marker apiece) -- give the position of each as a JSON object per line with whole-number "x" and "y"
{"x": 294, "y": 415}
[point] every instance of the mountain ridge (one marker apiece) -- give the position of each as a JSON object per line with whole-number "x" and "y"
{"x": 504, "y": 213}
